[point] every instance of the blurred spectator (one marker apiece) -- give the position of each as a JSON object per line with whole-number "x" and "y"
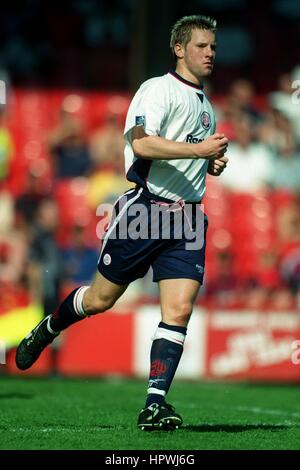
{"x": 6, "y": 212}
{"x": 255, "y": 298}
{"x": 288, "y": 222}
{"x": 45, "y": 267}
{"x": 241, "y": 99}
{"x": 79, "y": 259}
{"x": 228, "y": 116}
{"x": 286, "y": 173}
{"x": 6, "y": 146}
{"x": 45, "y": 264}
{"x": 26, "y": 204}
{"x": 250, "y": 166}
{"x": 290, "y": 268}
{"x": 105, "y": 186}
{"x": 267, "y": 275}
{"x": 107, "y": 146}
{"x": 282, "y": 299}
{"x": 276, "y": 131}
{"x": 107, "y": 153}
{"x": 282, "y": 100}
{"x": 68, "y": 147}
{"x": 239, "y": 104}
{"x": 13, "y": 252}
{"x": 13, "y": 248}
{"x": 223, "y": 287}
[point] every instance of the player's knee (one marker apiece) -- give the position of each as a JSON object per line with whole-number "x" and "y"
{"x": 180, "y": 314}
{"x": 184, "y": 312}
{"x": 98, "y": 304}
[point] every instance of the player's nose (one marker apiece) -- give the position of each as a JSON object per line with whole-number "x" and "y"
{"x": 209, "y": 52}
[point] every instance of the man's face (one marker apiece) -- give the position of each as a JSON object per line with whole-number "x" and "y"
{"x": 199, "y": 54}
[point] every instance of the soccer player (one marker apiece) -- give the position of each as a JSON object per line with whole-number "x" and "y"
{"x": 171, "y": 145}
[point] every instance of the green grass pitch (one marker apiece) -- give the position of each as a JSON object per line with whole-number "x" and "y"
{"x": 57, "y": 413}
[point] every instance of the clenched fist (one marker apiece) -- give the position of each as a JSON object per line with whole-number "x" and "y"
{"x": 217, "y": 166}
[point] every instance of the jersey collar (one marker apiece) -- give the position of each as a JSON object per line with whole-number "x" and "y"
{"x": 187, "y": 82}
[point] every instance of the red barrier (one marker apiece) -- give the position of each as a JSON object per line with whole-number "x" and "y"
{"x": 251, "y": 345}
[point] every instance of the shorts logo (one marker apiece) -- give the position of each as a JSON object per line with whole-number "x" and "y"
{"x": 199, "y": 268}
{"x": 106, "y": 259}
{"x": 139, "y": 120}
{"x": 205, "y": 120}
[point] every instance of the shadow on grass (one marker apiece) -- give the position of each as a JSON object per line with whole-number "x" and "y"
{"x": 232, "y": 428}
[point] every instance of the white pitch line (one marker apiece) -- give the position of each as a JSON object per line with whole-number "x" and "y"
{"x": 251, "y": 409}
{"x": 61, "y": 429}
{"x": 268, "y": 411}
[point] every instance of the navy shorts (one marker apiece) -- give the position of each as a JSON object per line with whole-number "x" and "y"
{"x": 146, "y": 231}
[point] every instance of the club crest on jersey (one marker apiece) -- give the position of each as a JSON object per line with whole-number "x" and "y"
{"x": 205, "y": 120}
{"x": 139, "y": 120}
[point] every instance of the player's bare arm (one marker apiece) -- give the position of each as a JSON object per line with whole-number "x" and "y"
{"x": 156, "y": 147}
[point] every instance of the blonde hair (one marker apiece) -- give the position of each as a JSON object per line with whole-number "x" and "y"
{"x": 182, "y": 30}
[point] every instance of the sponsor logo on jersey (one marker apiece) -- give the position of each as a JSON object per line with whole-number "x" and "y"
{"x": 139, "y": 120}
{"x": 205, "y": 120}
{"x": 192, "y": 140}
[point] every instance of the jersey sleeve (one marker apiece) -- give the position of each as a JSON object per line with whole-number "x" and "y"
{"x": 149, "y": 108}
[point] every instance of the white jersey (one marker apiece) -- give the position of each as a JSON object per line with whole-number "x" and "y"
{"x": 173, "y": 108}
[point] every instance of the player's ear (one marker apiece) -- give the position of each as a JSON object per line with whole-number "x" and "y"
{"x": 179, "y": 50}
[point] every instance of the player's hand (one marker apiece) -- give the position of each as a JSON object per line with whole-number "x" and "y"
{"x": 217, "y": 166}
{"x": 212, "y": 147}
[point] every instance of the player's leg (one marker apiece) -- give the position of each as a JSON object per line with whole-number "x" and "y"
{"x": 177, "y": 297}
{"x": 118, "y": 266}
{"x": 80, "y": 303}
{"x": 179, "y": 269}
{"x": 85, "y": 301}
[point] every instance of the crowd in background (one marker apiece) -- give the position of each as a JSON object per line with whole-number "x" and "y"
{"x": 41, "y": 259}
{"x": 90, "y": 44}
